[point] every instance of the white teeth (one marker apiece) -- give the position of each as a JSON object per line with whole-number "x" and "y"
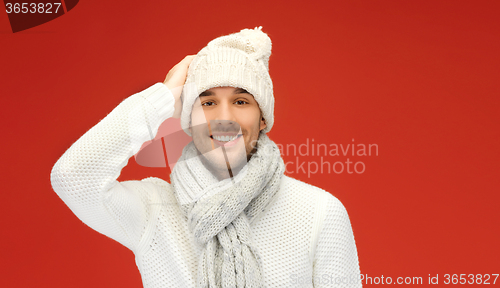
{"x": 224, "y": 138}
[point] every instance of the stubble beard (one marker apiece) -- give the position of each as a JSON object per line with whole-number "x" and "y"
{"x": 224, "y": 163}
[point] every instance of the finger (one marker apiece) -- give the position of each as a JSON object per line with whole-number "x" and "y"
{"x": 188, "y": 59}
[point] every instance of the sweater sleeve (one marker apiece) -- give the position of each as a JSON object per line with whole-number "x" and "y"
{"x": 85, "y": 176}
{"x": 336, "y": 259}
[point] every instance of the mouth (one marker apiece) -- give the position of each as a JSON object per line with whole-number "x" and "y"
{"x": 225, "y": 139}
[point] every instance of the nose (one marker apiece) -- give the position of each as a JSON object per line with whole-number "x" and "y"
{"x": 224, "y": 119}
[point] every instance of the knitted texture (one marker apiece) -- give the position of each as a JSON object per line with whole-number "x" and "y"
{"x": 238, "y": 60}
{"x": 303, "y": 236}
{"x": 219, "y": 219}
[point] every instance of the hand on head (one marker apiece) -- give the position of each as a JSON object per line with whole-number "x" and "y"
{"x": 175, "y": 81}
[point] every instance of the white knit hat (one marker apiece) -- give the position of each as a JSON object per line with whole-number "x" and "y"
{"x": 239, "y": 60}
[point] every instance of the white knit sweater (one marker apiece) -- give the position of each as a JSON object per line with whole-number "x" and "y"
{"x": 304, "y": 237}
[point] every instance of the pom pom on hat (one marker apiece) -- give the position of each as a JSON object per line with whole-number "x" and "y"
{"x": 254, "y": 42}
{"x": 238, "y": 60}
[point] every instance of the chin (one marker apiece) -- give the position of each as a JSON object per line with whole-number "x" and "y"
{"x": 216, "y": 160}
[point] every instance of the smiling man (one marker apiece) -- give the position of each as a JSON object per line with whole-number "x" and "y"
{"x": 229, "y": 217}
{"x": 230, "y": 119}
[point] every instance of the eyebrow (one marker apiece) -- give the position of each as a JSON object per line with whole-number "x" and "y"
{"x": 210, "y": 93}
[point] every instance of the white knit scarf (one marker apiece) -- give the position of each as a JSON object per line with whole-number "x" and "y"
{"x": 219, "y": 213}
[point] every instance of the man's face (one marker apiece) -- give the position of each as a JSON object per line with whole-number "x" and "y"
{"x": 225, "y": 125}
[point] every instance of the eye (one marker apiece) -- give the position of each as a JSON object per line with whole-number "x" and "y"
{"x": 241, "y": 102}
{"x": 208, "y": 103}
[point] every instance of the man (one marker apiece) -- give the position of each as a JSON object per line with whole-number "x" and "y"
{"x": 230, "y": 217}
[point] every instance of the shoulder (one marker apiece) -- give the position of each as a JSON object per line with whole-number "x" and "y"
{"x": 164, "y": 190}
{"x": 300, "y": 201}
{"x": 298, "y": 211}
{"x": 326, "y": 210}
{"x": 303, "y": 192}
{"x": 157, "y": 182}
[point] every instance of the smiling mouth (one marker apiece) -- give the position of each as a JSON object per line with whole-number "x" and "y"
{"x": 225, "y": 138}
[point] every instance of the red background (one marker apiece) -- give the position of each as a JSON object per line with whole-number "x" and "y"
{"x": 418, "y": 78}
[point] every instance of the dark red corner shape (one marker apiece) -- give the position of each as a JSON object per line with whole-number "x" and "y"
{"x": 33, "y": 15}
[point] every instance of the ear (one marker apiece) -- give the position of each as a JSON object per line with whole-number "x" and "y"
{"x": 262, "y": 124}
